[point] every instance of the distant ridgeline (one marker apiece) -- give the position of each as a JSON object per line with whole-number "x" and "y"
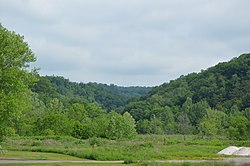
{"x": 108, "y": 97}
{"x": 222, "y": 86}
{"x": 214, "y": 101}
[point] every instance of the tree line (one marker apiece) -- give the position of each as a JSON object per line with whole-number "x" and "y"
{"x": 212, "y": 102}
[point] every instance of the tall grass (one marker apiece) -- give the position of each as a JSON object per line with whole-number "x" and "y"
{"x": 143, "y": 147}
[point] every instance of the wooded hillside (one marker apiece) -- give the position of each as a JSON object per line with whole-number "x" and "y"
{"x": 108, "y": 97}
{"x": 214, "y": 101}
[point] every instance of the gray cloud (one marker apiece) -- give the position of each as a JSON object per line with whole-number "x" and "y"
{"x": 142, "y": 42}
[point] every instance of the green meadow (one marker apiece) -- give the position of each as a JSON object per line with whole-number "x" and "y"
{"x": 142, "y": 148}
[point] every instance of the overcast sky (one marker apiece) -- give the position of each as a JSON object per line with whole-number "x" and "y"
{"x": 129, "y": 42}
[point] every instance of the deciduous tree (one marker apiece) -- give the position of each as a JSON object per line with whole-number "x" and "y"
{"x": 15, "y": 78}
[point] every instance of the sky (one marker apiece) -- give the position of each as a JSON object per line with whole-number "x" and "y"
{"x": 129, "y": 42}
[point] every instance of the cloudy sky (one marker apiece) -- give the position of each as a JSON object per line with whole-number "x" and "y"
{"x": 129, "y": 42}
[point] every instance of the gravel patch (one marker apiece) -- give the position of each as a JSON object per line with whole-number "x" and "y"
{"x": 237, "y": 151}
{"x": 242, "y": 152}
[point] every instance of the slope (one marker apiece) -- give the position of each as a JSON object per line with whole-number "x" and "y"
{"x": 197, "y": 101}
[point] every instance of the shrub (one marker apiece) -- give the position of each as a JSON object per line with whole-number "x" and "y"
{"x": 129, "y": 161}
{"x": 82, "y": 131}
{"x": 94, "y": 142}
{"x": 48, "y": 132}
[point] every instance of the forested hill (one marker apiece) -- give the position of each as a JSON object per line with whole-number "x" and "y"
{"x": 109, "y": 97}
{"x": 224, "y": 88}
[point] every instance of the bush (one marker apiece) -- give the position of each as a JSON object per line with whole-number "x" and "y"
{"x": 129, "y": 161}
{"x": 94, "y": 142}
{"x": 37, "y": 143}
{"x": 82, "y": 131}
{"x": 186, "y": 164}
{"x": 147, "y": 145}
{"x": 58, "y": 123}
{"x": 48, "y": 132}
{"x": 91, "y": 157}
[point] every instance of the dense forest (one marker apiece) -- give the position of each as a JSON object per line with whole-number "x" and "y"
{"x": 109, "y": 97}
{"x": 213, "y": 102}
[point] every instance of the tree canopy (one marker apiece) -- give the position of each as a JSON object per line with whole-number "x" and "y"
{"x": 15, "y": 78}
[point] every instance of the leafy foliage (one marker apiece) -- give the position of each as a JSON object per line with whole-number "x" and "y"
{"x": 15, "y": 79}
{"x": 108, "y": 97}
{"x": 204, "y": 103}
{"x": 212, "y": 102}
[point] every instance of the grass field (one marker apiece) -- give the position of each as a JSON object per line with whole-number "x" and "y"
{"x": 142, "y": 148}
{"x": 141, "y": 164}
{"x": 36, "y": 155}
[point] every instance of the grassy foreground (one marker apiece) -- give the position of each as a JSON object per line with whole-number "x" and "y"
{"x": 141, "y": 164}
{"x": 142, "y": 148}
{"x": 36, "y": 155}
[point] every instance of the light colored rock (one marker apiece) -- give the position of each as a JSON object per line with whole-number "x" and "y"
{"x": 229, "y": 150}
{"x": 233, "y": 150}
{"x": 242, "y": 152}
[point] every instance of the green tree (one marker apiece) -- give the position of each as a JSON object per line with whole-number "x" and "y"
{"x": 55, "y": 106}
{"x": 119, "y": 126}
{"x": 77, "y": 112}
{"x": 58, "y": 124}
{"x": 93, "y": 110}
{"x": 213, "y": 123}
{"x": 129, "y": 125}
{"x": 83, "y": 130}
{"x": 115, "y": 124}
{"x": 143, "y": 126}
{"x": 197, "y": 112}
{"x": 169, "y": 124}
{"x": 45, "y": 89}
{"x": 156, "y": 125}
{"x": 15, "y": 78}
{"x": 100, "y": 125}
{"x": 238, "y": 127}
{"x": 26, "y": 123}
{"x": 247, "y": 113}
{"x": 184, "y": 126}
